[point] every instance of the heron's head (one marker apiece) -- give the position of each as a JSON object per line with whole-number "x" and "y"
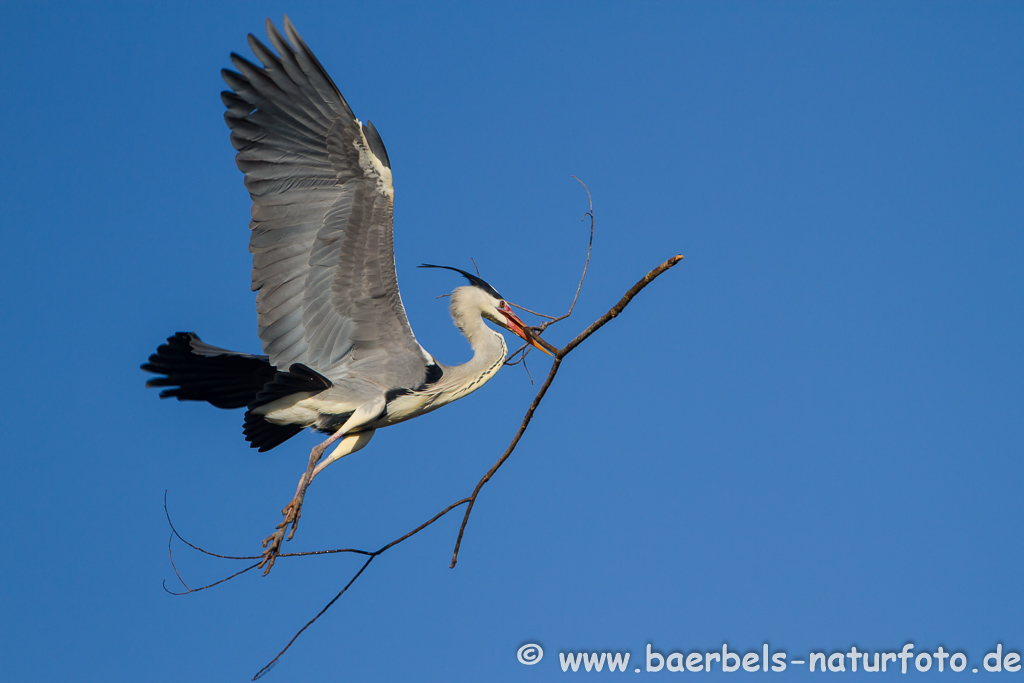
{"x": 481, "y": 299}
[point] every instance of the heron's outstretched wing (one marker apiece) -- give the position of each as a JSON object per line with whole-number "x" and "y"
{"x": 323, "y": 255}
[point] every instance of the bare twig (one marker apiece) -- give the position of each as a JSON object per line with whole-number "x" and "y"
{"x": 309, "y": 623}
{"x": 209, "y": 585}
{"x": 551, "y": 320}
{"x": 524, "y": 308}
{"x": 559, "y": 355}
{"x": 170, "y": 554}
{"x": 504, "y": 456}
{"x": 619, "y": 307}
{"x": 527, "y": 368}
{"x": 308, "y": 553}
{"x": 520, "y": 352}
{"x": 195, "y": 547}
{"x": 371, "y": 557}
{"x": 590, "y": 246}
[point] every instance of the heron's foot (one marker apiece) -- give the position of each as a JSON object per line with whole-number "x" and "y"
{"x": 271, "y": 549}
{"x": 272, "y": 543}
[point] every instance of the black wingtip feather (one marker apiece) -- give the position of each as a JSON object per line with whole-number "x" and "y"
{"x": 376, "y": 143}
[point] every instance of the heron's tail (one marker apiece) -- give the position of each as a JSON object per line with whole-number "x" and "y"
{"x": 196, "y": 371}
{"x": 193, "y": 370}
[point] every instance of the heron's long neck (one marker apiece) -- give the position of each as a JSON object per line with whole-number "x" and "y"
{"x": 488, "y": 356}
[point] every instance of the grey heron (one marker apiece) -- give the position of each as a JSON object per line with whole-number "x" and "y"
{"x": 341, "y": 357}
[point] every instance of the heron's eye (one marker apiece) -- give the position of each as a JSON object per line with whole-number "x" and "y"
{"x": 502, "y": 304}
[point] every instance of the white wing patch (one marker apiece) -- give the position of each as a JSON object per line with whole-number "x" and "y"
{"x": 426, "y": 356}
{"x": 371, "y": 165}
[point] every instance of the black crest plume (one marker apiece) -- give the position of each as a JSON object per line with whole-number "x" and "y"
{"x": 474, "y": 280}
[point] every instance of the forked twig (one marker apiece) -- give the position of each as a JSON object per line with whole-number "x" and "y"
{"x": 471, "y": 500}
{"x": 559, "y": 355}
{"x": 167, "y": 514}
{"x": 527, "y": 368}
{"x": 371, "y": 557}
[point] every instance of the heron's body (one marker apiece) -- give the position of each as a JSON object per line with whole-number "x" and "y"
{"x": 329, "y": 409}
{"x": 340, "y": 354}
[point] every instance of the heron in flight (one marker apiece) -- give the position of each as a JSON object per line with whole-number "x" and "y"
{"x": 341, "y": 357}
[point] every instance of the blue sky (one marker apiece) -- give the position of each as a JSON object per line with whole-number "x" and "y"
{"x": 809, "y": 433}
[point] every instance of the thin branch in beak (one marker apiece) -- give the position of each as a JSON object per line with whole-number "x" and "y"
{"x": 524, "y": 308}
{"x": 522, "y": 330}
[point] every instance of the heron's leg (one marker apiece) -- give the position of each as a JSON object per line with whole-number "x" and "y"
{"x": 350, "y": 442}
{"x": 307, "y": 476}
{"x": 291, "y": 511}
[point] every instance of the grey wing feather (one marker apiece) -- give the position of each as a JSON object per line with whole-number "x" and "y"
{"x": 322, "y": 244}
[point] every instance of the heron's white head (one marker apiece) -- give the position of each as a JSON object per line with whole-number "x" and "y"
{"x": 480, "y": 300}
